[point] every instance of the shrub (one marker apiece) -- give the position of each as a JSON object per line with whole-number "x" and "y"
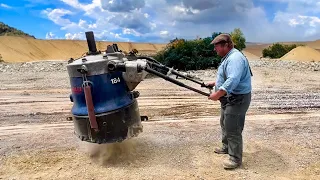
{"x": 185, "y": 55}
{"x": 1, "y": 60}
{"x": 278, "y": 50}
{"x": 194, "y": 54}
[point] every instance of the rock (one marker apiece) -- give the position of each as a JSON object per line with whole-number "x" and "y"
{"x": 25, "y": 93}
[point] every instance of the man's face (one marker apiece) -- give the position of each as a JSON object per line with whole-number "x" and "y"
{"x": 220, "y": 48}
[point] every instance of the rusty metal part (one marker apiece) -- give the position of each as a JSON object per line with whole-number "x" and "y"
{"x": 91, "y": 114}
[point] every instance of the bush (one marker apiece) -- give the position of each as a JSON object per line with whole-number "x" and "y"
{"x": 1, "y": 60}
{"x": 185, "y": 55}
{"x": 195, "y": 54}
{"x": 278, "y": 50}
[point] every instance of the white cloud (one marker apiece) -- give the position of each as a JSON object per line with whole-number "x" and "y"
{"x": 5, "y": 6}
{"x": 56, "y": 15}
{"x": 297, "y": 20}
{"x": 293, "y": 22}
{"x": 314, "y": 21}
{"x": 50, "y": 35}
{"x": 163, "y": 20}
{"x": 122, "y": 5}
{"x": 134, "y": 20}
{"x": 164, "y": 33}
{"x": 88, "y": 8}
{"x": 75, "y": 36}
{"x": 102, "y": 34}
{"x": 118, "y": 36}
{"x": 182, "y": 9}
{"x": 297, "y": 27}
{"x": 130, "y": 31}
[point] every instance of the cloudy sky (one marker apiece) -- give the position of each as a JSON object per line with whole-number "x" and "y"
{"x": 163, "y": 20}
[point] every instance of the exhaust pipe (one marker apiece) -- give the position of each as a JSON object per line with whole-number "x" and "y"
{"x": 91, "y": 43}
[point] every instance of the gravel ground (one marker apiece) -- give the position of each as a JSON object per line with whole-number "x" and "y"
{"x": 281, "y": 134}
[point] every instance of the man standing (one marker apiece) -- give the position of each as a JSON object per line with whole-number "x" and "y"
{"x": 233, "y": 90}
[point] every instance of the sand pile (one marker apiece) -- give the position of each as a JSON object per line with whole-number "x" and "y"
{"x": 250, "y": 56}
{"x": 21, "y": 49}
{"x": 302, "y": 53}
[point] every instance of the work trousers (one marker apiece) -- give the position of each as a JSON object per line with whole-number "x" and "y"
{"x": 233, "y": 111}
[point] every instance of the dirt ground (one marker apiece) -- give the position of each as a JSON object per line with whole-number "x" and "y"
{"x": 281, "y": 135}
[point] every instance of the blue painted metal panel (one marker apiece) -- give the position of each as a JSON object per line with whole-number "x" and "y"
{"x": 109, "y": 92}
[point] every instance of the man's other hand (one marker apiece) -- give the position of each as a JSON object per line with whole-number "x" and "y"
{"x": 216, "y": 96}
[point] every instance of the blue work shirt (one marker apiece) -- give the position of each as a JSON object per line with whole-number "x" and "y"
{"x": 234, "y": 74}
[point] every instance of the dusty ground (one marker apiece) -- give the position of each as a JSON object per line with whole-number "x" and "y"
{"x": 281, "y": 136}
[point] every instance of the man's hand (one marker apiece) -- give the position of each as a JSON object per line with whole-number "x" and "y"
{"x": 211, "y": 84}
{"x": 216, "y": 96}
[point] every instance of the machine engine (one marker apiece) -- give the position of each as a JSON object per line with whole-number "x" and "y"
{"x": 105, "y": 107}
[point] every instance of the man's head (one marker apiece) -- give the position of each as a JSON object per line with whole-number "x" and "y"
{"x": 222, "y": 44}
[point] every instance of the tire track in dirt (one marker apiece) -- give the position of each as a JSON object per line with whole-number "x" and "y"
{"x": 24, "y": 129}
{"x": 256, "y": 119}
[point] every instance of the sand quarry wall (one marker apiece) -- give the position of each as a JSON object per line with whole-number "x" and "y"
{"x": 22, "y": 49}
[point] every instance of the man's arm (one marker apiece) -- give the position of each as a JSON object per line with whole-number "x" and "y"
{"x": 234, "y": 71}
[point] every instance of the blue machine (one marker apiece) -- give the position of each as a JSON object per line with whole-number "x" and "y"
{"x": 105, "y": 108}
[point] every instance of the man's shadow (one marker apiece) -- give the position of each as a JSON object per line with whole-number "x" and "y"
{"x": 264, "y": 160}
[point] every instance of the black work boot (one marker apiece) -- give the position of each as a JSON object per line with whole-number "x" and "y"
{"x": 221, "y": 150}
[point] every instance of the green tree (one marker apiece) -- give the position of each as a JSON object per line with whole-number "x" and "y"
{"x": 6, "y": 30}
{"x": 238, "y": 39}
{"x": 215, "y": 34}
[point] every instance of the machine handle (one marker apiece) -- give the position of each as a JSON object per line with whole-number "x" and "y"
{"x": 150, "y": 70}
{"x": 112, "y": 66}
{"x": 157, "y": 64}
{"x": 207, "y": 86}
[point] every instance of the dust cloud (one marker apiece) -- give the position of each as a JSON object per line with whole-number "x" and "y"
{"x": 111, "y": 153}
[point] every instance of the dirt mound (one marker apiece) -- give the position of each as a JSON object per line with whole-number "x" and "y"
{"x": 250, "y": 56}
{"x": 302, "y": 53}
{"x": 256, "y": 49}
{"x": 22, "y": 49}
{"x": 314, "y": 44}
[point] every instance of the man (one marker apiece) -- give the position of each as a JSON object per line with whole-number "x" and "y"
{"x": 233, "y": 90}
